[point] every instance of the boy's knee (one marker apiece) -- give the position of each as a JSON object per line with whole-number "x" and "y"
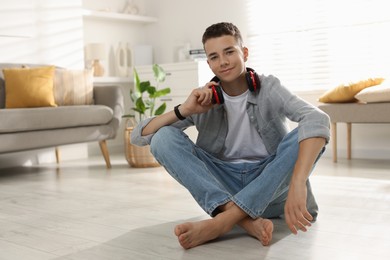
{"x": 158, "y": 138}
{"x": 162, "y": 139}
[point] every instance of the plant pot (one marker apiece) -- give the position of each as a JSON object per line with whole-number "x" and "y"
{"x": 137, "y": 156}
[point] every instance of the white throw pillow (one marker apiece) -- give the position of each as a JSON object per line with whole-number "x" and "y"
{"x": 378, "y": 93}
{"x": 73, "y": 87}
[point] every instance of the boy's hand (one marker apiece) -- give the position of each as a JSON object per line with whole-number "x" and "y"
{"x": 297, "y": 216}
{"x": 199, "y": 101}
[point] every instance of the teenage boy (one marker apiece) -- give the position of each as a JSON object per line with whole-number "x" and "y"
{"x": 246, "y": 167}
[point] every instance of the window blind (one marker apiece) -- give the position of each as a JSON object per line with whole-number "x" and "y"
{"x": 318, "y": 44}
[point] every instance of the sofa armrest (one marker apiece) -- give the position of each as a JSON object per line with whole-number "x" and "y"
{"x": 112, "y": 97}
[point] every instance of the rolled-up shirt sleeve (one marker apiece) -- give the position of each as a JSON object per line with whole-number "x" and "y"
{"x": 136, "y": 137}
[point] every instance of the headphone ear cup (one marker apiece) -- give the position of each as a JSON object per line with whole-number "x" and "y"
{"x": 257, "y": 80}
{"x": 217, "y": 97}
{"x": 250, "y": 80}
{"x": 215, "y": 79}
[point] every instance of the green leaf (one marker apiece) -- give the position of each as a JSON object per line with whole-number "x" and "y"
{"x": 151, "y": 90}
{"x": 137, "y": 82}
{"x": 149, "y": 103}
{"x": 160, "y": 110}
{"x": 161, "y": 92}
{"x": 159, "y": 73}
{"x": 144, "y": 85}
{"x": 134, "y": 95}
{"x": 137, "y": 110}
{"x": 140, "y": 106}
{"x": 128, "y": 115}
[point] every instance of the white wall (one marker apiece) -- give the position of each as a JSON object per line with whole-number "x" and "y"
{"x": 39, "y": 31}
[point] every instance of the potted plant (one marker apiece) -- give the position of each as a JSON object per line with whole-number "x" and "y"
{"x": 144, "y": 97}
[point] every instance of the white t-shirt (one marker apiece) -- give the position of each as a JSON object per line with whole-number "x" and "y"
{"x": 243, "y": 143}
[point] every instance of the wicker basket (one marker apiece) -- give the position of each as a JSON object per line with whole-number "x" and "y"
{"x": 137, "y": 156}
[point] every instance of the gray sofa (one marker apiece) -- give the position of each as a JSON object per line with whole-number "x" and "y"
{"x": 24, "y": 129}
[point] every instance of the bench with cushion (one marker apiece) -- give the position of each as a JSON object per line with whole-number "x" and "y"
{"x": 349, "y": 113}
{"x": 363, "y": 102}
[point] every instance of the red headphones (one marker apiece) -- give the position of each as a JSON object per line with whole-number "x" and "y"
{"x": 252, "y": 79}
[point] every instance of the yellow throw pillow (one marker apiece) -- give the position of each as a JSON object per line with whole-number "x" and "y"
{"x": 346, "y": 93}
{"x": 73, "y": 87}
{"x": 29, "y": 87}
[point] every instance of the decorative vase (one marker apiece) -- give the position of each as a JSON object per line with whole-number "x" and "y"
{"x": 130, "y": 8}
{"x": 123, "y": 60}
{"x": 130, "y": 59}
{"x": 137, "y": 156}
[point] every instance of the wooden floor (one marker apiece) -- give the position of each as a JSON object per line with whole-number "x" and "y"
{"x": 81, "y": 210}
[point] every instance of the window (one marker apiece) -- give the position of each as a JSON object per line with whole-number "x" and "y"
{"x": 318, "y": 44}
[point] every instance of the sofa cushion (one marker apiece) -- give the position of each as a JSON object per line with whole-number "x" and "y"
{"x": 29, "y": 87}
{"x": 73, "y": 87}
{"x": 30, "y": 119}
{"x": 2, "y": 83}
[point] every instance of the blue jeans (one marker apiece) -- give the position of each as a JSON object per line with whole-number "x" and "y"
{"x": 260, "y": 189}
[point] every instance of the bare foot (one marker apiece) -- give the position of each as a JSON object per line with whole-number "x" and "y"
{"x": 192, "y": 234}
{"x": 260, "y": 228}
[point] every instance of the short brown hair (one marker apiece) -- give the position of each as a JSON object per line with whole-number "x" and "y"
{"x": 221, "y": 29}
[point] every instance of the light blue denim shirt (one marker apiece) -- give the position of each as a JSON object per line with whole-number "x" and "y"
{"x": 268, "y": 111}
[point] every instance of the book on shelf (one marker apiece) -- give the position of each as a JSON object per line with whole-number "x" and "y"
{"x": 197, "y": 51}
{"x": 197, "y": 54}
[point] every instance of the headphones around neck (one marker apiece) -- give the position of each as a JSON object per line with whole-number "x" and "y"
{"x": 252, "y": 79}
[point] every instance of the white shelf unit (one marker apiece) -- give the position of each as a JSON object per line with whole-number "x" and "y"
{"x": 110, "y": 80}
{"x": 118, "y": 16}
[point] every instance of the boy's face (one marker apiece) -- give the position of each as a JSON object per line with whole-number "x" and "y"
{"x": 226, "y": 57}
